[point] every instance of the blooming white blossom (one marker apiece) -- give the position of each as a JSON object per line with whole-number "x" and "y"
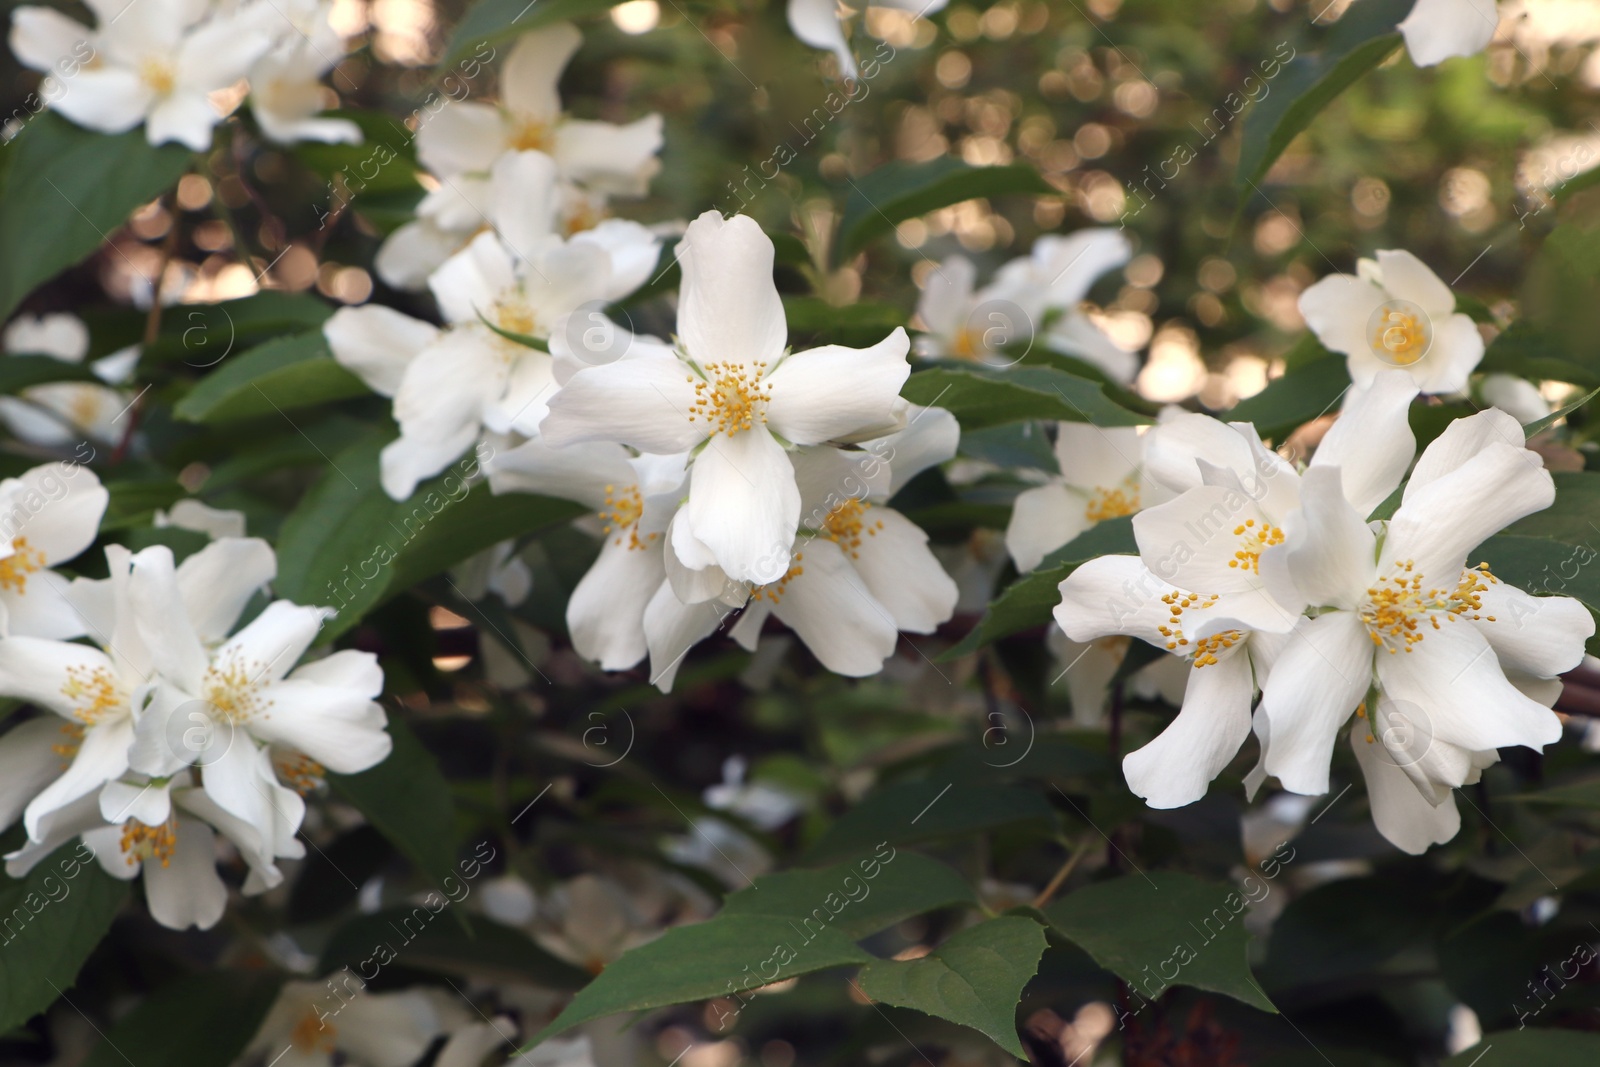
{"x": 58, "y": 414}
{"x": 286, "y": 91}
{"x": 47, "y": 516}
{"x": 1437, "y": 30}
{"x": 313, "y": 1024}
{"x": 734, "y": 397}
{"x": 1395, "y": 312}
{"x": 819, "y": 23}
{"x": 154, "y": 61}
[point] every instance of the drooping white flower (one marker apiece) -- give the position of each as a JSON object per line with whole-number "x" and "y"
{"x": 1437, "y": 30}
{"x": 736, "y": 398}
{"x": 47, "y": 516}
{"x": 58, "y": 414}
{"x": 155, "y": 61}
{"x": 469, "y": 137}
{"x": 1401, "y": 625}
{"x": 1102, "y": 477}
{"x": 237, "y": 705}
{"x": 316, "y": 1024}
{"x": 1395, "y": 312}
{"x": 819, "y": 23}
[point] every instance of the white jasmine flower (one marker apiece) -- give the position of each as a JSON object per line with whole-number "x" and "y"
{"x": 286, "y": 91}
{"x": 315, "y": 1024}
{"x": 761, "y": 804}
{"x": 1394, "y": 312}
{"x": 498, "y": 570}
{"x": 737, "y": 399}
{"x": 47, "y": 516}
{"x": 57, "y": 414}
{"x": 1055, "y": 278}
{"x": 1437, "y": 30}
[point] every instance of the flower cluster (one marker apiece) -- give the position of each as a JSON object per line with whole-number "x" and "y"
{"x": 176, "y": 66}
{"x": 1311, "y": 588}
{"x": 164, "y": 722}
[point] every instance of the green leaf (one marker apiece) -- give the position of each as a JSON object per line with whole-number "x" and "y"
{"x": 526, "y": 340}
{"x": 476, "y": 948}
{"x": 49, "y": 923}
{"x": 408, "y": 800}
{"x": 897, "y": 191}
{"x": 19, "y": 372}
{"x": 1140, "y": 927}
{"x": 1528, "y": 351}
{"x": 478, "y": 521}
{"x": 203, "y": 335}
{"x": 990, "y": 396}
{"x": 1546, "y": 567}
{"x": 1357, "y": 43}
{"x": 931, "y": 810}
{"x": 893, "y": 888}
{"x": 1580, "y": 794}
{"x": 1546, "y": 1048}
{"x": 974, "y": 979}
{"x": 66, "y": 190}
{"x": 1540, "y": 425}
{"x": 723, "y": 957}
{"x": 858, "y": 325}
{"x": 1295, "y": 399}
{"x": 496, "y": 22}
{"x": 292, "y": 372}
{"x": 1028, "y": 601}
{"x": 203, "y": 1020}
{"x": 330, "y": 878}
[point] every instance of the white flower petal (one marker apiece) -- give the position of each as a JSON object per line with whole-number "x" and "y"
{"x": 947, "y": 294}
{"x": 1066, "y": 267}
{"x": 728, "y": 307}
{"x": 578, "y": 472}
{"x": 342, "y": 729}
{"x": 1339, "y": 310}
{"x": 1042, "y": 520}
{"x": 834, "y": 392}
{"x": 532, "y": 71}
{"x": 461, "y": 138}
{"x": 109, "y": 100}
{"x": 1176, "y": 768}
{"x": 672, "y": 628}
{"x": 102, "y": 755}
{"x": 816, "y": 22}
{"x": 161, "y": 614}
{"x": 1409, "y": 820}
{"x": 1313, "y": 687}
{"x": 901, "y": 573}
{"x": 1114, "y": 595}
{"x": 41, "y": 37}
{"x": 1538, "y": 635}
{"x": 829, "y": 607}
{"x": 1437, "y": 30}
{"x": 28, "y": 763}
{"x": 523, "y": 198}
{"x": 57, "y": 507}
{"x": 377, "y": 344}
{"x": 1456, "y": 352}
{"x": 346, "y": 669}
{"x": 184, "y": 116}
{"x": 1461, "y": 440}
{"x": 273, "y": 642}
{"x": 219, "y": 580}
{"x": 1328, "y": 549}
{"x": 610, "y": 158}
{"x": 643, "y": 402}
{"x": 414, "y": 251}
{"x": 1371, "y": 442}
{"x": 187, "y": 891}
{"x": 605, "y": 614}
{"x": 743, "y": 505}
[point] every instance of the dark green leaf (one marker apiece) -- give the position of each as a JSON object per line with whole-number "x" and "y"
{"x": 1545, "y": 1048}
{"x": 204, "y": 1020}
{"x": 409, "y": 802}
{"x": 66, "y": 190}
{"x": 19, "y": 372}
{"x": 858, "y": 325}
{"x": 1358, "y": 42}
{"x": 1527, "y": 351}
{"x": 1294, "y": 399}
{"x": 475, "y": 948}
{"x": 897, "y": 191}
{"x": 464, "y": 528}
{"x": 930, "y": 810}
{"x": 975, "y": 978}
{"x": 49, "y": 923}
{"x": 292, "y": 372}
{"x": 1163, "y": 928}
{"x": 990, "y": 396}
{"x": 1028, "y": 601}
{"x": 859, "y": 897}
{"x": 203, "y": 335}
{"x": 331, "y": 878}
{"x": 1540, "y": 425}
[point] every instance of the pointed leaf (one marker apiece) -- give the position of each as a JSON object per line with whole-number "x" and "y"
{"x": 291, "y": 372}
{"x": 990, "y": 396}
{"x": 897, "y": 191}
{"x": 204, "y": 1020}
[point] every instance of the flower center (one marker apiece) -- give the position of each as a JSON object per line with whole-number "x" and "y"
{"x": 1111, "y": 503}
{"x": 23, "y": 561}
{"x": 531, "y": 135}
{"x": 83, "y": 407}
{"x": 141, "y": 842}
{"x": 95, "y": 693}
{"x": 312, "y": 1034}
{"x": 622, "y": 512}
{"x": 233, "y": 690}
{"x": 732, "y": 397}
{"x": 773, "y": 591}
{"x": 1252, "y": 539}
{"x": 1398, "y": 609}
{"x": 158, "y": 74}
{"x": 1400, "y": 333}
{"x": 1177, "y": 602}
{"x": 513, "y": 315}
{"x": 967, "y": 344}
{"x": 845, "y": 525}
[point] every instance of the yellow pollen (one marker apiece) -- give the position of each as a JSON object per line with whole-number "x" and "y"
{"x": 733, "y": 398}
{"x": 1400, "y": 337}
{"x": 1114, "y": 502}
{"x": 622, "y": 511}
{"x": 311, "y": 1034}
{"x": 845, "y": 525}
{"x": 300, "y": 772}
{"x": 966, "y": 344}
{"x": 513, "y": 315}
{"x": 1206, "y": 649}
{"x": 585, "y": 217}
{"x": 158, "y": 75}
{"x": 83, "y": 406}
{"x": 23, "y": 561}
{"x": 67, "y": 749}
{"x": 531, "y": 135}
{"x": 1177, "y": 601}
{"x": 1398, "y": 609}
{"x": 93, "y": 693}
{"x": 773, "y": 591}
{"x": 141, "y": 842}
{"x": 233, "y": 689}
{"x": 1252, "y": 540}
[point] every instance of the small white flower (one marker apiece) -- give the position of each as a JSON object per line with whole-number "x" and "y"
{"x": 819, "y": 23}
{"x": 498, "y": 570}
{"x": 1516, "y": 396}
{"x": 286, "y": 91}
{"x": 1437, "y": 30}
{"x": 318, "y": 1024}
{"x": 763, "y": 805}
{"x": 47, "y": 516}
{"x": 59, "y": 414}
{"x": 1395, "y": 312}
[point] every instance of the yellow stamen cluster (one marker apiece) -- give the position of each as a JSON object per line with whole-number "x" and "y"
{"x": 773, "y": 591}
{"x": 1177, "y": 602}
{"x": 966, "y": 344}
{"x": 1206, "y": 649}
{"x": 23, "y": 561}
{"x": 585, "y": 217}
{"x": 531, "y": 135}
{"x": 1400, "y": 337}
{"x": 732, "y": 398}
{"x": 845, "y": 525}
{"x": 93, "y": 693}
{"x": 141, "y": 842}
{"x": 74, "y": 732}
{"x": 1114, "y": 502}
{"x": 622, "y": 511}
{"x": 513, "y": 315}
{"x": 158, "y": 74}
{"x": 312, "y": 1034}
{"x": 1398, "y": 605}
{"x": 300, "y": 772}
{"x": 1254, "y": 539}
{"x": 233, "y": 689}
